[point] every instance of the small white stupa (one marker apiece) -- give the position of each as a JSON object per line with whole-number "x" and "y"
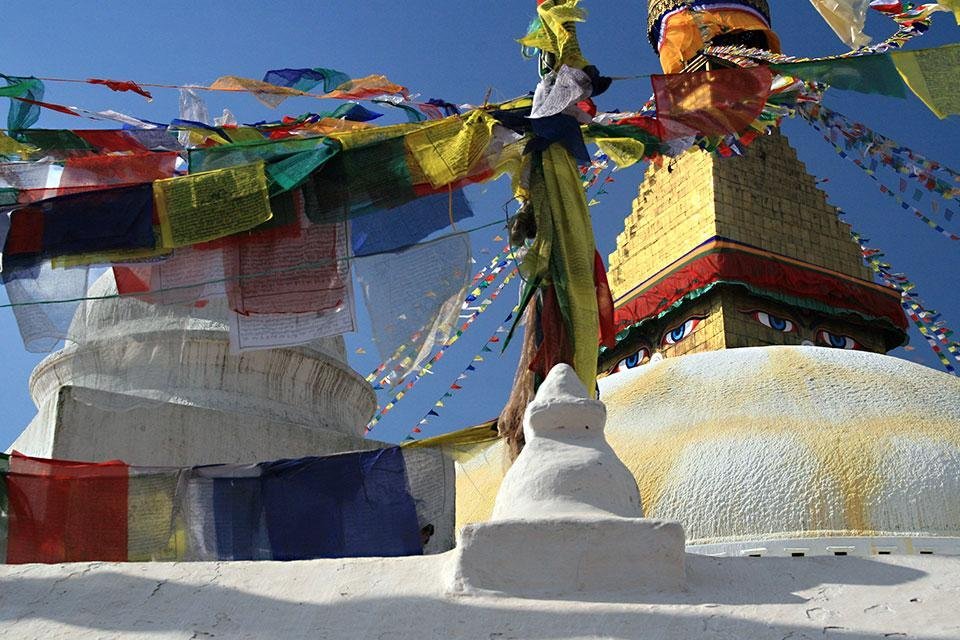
{"x": 568, "y": 516}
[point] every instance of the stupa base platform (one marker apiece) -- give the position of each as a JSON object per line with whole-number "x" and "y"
{"x": 585, "y": 554}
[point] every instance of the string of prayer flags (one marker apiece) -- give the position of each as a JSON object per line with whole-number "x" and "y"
{"x": 815, "y": 120}
{"x": 408, "y": 348}
{"x": 933, "y": 75}
{"x": 425, "y": 369}
{"x": 710, "y": 103}
{"x": 394, "y": 288}
{"x": 877, "y": 150}
{"x": 456, "y": 386}
{"x": 211, "y": 204}
{"x": 932, "y": 331}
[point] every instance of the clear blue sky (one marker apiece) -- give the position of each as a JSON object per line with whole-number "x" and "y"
{"x": 456, "y": 51}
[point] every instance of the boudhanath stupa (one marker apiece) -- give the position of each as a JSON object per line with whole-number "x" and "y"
{"x": 754, "y": 465}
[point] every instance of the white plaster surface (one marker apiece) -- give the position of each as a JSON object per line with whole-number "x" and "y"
{"x": 396, "y": 599}
{"x": 89, "y": 424}
{"x": 570, "y": 555}
{"x": 566, "y": 466}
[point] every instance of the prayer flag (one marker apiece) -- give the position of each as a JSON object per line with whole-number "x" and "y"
{"x": 865, "y": 74}
{"x": 268, "y": 94}
{"x": 933, "y": 75}
{"x": 66, "y": 511}
{"x": 846, "y": 18}
{"x": 212, "y": 204}
{"x": 306, "y": 79}
{"x": 126, "y": 85}
{"x": 711, "y": 103}
{"x": 367, "y": 87}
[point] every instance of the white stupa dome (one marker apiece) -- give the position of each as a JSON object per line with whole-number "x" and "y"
{"x": 773, "y": 449}
{"x": 179, "y": 353}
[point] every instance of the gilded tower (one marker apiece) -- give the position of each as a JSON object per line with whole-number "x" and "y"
{"x": 719, "y": 253}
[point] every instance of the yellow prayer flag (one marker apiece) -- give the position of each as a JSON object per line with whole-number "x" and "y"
{"x": 269, "y": 94}
{"x": 107, "y": 257}
{"x": 11, "y": 147}
{"x": 558, "y": 34}
{"x": 212, "y": 204}
{"x": 934, "y": 76}
{"x": 625, "y": 152}
{"x": 446, "y": 150}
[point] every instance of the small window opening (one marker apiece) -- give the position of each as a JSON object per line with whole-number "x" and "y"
{"x": 839, "y": 553}
{"x": 755, "y": 555}
{"x": 797, "y": 554}
{"x": 926, "y": 553}
{"x": 883, "y": 553}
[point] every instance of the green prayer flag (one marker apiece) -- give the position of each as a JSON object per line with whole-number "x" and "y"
{"x": 865, "y": 74}
{"x": 22, "y": 115}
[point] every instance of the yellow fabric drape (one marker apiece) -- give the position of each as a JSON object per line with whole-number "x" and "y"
{"x": 684, "y": 33}
{"x": 566, "y": 219}
{"x": 555, "y": 36}
{"x": 934, "y": 76}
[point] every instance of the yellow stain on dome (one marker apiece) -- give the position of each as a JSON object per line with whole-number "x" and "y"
{"x": 848, "y": 456}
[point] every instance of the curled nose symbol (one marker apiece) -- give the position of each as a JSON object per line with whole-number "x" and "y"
{"x": 806, "y": 343}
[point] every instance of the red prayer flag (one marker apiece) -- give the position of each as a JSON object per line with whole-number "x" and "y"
{"x": 270, "y": 272}
{"x": 26, "y": 232}
{"x": 122, "y": 85}
{"x": 110, "y": 140}
{"x": 711, "y": 103}
{"x": 64, "y": 511}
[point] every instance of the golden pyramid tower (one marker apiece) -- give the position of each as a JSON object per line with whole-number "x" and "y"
{"x": 719, "y": 253}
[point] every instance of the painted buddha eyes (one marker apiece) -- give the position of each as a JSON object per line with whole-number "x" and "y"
{"x": 633, "y": 360}
{"x": 836, "y": 341}
{"x": 774, "y": 322}
{"x": 682, "y": 331}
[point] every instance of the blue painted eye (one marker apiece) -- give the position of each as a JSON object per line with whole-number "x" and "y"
{"x": 633, "y": 360}
{"x": 774, "y": 322}
{"x": 682, "y": 332}
{"x": 837, "y": 341}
